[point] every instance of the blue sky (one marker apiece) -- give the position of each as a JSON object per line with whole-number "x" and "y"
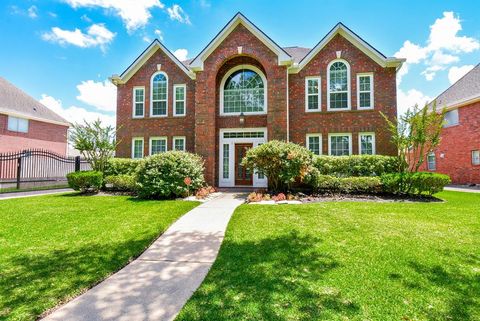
{"x": 62, "y": 51}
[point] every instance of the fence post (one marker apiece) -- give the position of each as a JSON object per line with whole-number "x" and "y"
{"x": 77, "y": 163}
{"x": 19, "y": 171}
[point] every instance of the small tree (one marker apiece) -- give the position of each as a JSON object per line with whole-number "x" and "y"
{"x": 415, "y": 134}
{"x": 95, "y": 142}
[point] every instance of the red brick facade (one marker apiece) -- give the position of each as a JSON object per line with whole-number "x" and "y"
{"x": 40, "y": 135}
{"x": 242, "y": 47}
{"x": 454, "y": 154}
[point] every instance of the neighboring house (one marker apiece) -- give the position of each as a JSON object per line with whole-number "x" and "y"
{"x": 243, "y": 89}
{"x": 458, "y": 154}
{"x": 25, "y": 123}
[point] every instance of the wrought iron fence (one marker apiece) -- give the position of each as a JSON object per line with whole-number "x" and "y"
{"x": 37, "y": 166}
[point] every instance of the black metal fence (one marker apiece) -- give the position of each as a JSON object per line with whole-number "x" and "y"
{"x": 37, "y": 167}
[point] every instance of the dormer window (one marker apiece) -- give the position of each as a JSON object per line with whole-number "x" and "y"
{"x": 338, "y": 85}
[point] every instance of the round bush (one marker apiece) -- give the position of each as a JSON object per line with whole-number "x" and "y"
{"x": 85, "y": 181}
{"x": 166, "y": 175}
{"x": 122, "y": 183}
{"x": 121, "y": 166}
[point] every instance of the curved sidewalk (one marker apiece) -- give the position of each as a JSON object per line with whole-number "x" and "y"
{"x": 158, "y": 284}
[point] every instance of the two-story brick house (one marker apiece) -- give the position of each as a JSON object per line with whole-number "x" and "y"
{"x": 243, "y": 89}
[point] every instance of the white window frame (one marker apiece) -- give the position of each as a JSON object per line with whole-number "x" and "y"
{"x": 17, "y": 127}
{"x": 374, "y": 149}
{"x": 179, "y": 138}
{"x": 165, "y": 138}
{"x": 134, "y": 102}
{"x": 174, "y": 107}
{"x": 340, "y": 134}
{"x": 320, "y": 147}
{"x": 473, "y": 162}
{"x": 371, "y": 91}
{"x": 133, "y": 147}
{"x": 319, "y": 108}
{"x": 151, "y": 94}
{"x": 435, "y": 162}
{"x": 265, "y": 90}
{"x": 349, "y": 86}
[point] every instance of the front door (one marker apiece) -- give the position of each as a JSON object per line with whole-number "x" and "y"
{"x": 243, "y": 176}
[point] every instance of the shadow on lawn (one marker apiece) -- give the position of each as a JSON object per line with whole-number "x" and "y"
{"x": 273, "y": 279}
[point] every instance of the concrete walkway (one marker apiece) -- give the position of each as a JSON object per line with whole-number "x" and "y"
{"x": 462, "y": 188}
{"x": 158, "y": 284}
{"x": 5, "y": 196}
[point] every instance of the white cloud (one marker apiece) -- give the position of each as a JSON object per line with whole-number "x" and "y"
{"x": 176, "y": 13}
{"x": 406, "y": 100}
{"x": 159, "y": 34}
{"x": 442, "y": 47}
{"x": 101, "y": 95}
{"x": 146, "y": 39}
{"x": 76, "y": 114}
{"x": 96, "y": 35}
{"x": 181, "y": 54}
{"x": 455, "y": 73}
{"x": 32, "y": 12}
{"x": 135, "y": 14}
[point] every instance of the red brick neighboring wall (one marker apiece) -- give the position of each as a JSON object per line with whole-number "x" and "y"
{"x": 40, "y": 135}
{"x": 354, "y": 120}
{"x": 147, "y": 127}
{"x": 456, "y": 145}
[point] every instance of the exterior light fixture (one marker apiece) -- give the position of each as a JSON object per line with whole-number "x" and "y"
{"x": 242, "y": 118}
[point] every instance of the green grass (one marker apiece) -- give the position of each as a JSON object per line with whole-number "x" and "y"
{"x": 347, "y": 261}
{"x": 54, "y": 247}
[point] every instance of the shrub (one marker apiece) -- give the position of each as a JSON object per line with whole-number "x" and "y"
{"x": 164, "y": 175}
{"x": 123, "y": 183}
{"x": 415, "y": 183}
{"x": 282, "y": 163}
{"x": 349, "y": 185}
{"x": 121, "y": 166}
{"x": 85, "y": 181}
{"x": 356, "y": 165}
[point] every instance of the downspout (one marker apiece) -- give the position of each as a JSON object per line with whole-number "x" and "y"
{"x": 288, "y": 109}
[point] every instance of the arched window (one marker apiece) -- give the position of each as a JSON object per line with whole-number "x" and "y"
{"x": 159, "y": 95}
{"x": 243, "y": 91}
{"x": 338, "y": 85}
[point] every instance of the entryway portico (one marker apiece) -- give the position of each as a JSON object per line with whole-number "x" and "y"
{"x": 233, "y": 144}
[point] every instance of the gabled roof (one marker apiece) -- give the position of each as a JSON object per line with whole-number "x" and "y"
{"x": 15, "y": 102}
{"x": 283, "y": 57}
{"x": 144, "y": 56}
{"x": 358, "y": 42}
{"x": 297, "y": 53}
{"x": 465, "y": 91}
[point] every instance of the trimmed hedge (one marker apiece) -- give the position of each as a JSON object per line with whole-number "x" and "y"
{"x": 356, "y": 165}
{"x": 122, "y": 183}
{"x": 349, "y": 185}
{"x": 165, "y": 175}
{"x": 85, "y": 181}
{"x": 415, "y": 183}
{"x": 121, "y": 166}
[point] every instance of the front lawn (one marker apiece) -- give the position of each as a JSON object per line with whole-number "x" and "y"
{"x": 347, "y": 261}
{"x": 54, "y": 247}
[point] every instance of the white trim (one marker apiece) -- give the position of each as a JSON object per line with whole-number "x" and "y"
{"x": 265, "y": 90}
{"x": 357, "y": 42}
{"x": 374, "y": 149}
{"x": 164, "y": 138}
{"x": 151, "y": 94}
{"x": 230, "y": 181}
{"x": 134, "y": 102}
{"x": 340, "y": 134}
{"x": 133, "y": 147}
{"x": 320, "y": 145}
{"x": 319, "y": 79}
{"x": 349, "y": 86}
{"x": 174, "y": 107}
{"x": 174, "y": 138}
{"x": 8, "y": 112}
{"x": 283, "y": 57}
{"x": 372, "y": 99}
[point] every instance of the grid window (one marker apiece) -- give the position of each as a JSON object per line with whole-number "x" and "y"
{"x": 312, "y": 86}
{"x": 314, "y": 144}
{"x": 226, "y": 159}
{"x": 338, "y": 86}
{"x": 179, "y": 101}
{"x": 137, "y": 149}
{"x": 340, "y": 145}
{"x": 431, "y": 162}
{"x": 476, "y": 157}
{"x": 244, "y": 135}
{"x": 244, "y": 91}
{"x": 365, "y": 86}
{"x": 367, "y": 144}
{"x": 179, "y": 143}
{"x": 159, "y": 95}
{"x": 138, "y": 102}
{"x": 158, "y": 145}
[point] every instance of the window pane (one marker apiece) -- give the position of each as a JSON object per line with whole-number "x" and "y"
{"x": 364, "y": 83}
{"x": 159, "y": 108}
{"x": 366, "y": 144}
{"x": 431, "y": 162}
{"x": 338, "y": 77}
{"x": 313, "y": 102}
{"x": 313, "y": 86}
{"x": 158, "y": 146}
{"x": 451, "y": 118}
{"x": 314, "y": 144}
{"x": 179, "y": 144}
{"x": 340, "y": 145}
{"x": 159, "y": 95}
{"x": 338, "y": 100}
{"x": 476, "y": 157}
{"x": 137, "y": 148}
{"x": 179, "y": 108}
{"x": 243, "y": 92}
{"x": 365, "y": 99}
{"x": 226, "y": 158}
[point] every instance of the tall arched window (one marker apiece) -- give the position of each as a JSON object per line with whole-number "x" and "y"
{"x": 159, "y": 94}
{"x": 243, "y": 91}
{"x": 338, "y": 85}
